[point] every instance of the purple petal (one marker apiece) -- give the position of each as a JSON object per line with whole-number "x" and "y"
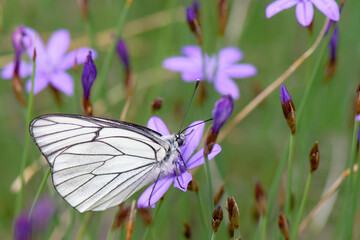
{"x": 192, "y": 51}
{"x": 278, "y": 6}
{"x": 43, "y": 212}
{"x": 229, "y": 55}
{"x": 41, "y": 81}
{"x": 191, "y": 68}
{"x": 161, "y": 186}
{"x": 241, "y": 70}
{"x": 193, "y": 138}
{"x": 78, "y": 56}
{"x": 30, "y": 41}
{"x": 198, "y": 158}
{"x": 88, "y": 76}
{"x": 184, "y": 180}
{"x": 23, "y": 227}
{"x": 158, "y": 125}
{"x": 221, "y": 113}
{"x": 304, "y": 13}
{"x": 63, "y": 82}
{"x": 8, "y": 71}
{"x": 57, "y": 45}
{"x": 329, "y": 8}
{"x": 226, "y": 86}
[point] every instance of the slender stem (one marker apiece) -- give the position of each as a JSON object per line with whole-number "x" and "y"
{"x": 213, "y": 236}
{"x": 263, "y": 221}
{"x": 27, "y": 142}
{"x": 41, "y": 187}
{"x": 69, "y": 230}
{"x": 348, "y": 221}
{"x": 111, "y": 52}
{"x": 83, "y": 226}
{"x": 209, "y": 180}
{"x": 201, "y": 211}
{"x": 302, "y": 207}
{"x": 289, "y": 176}
{"x": 148, "y": 229}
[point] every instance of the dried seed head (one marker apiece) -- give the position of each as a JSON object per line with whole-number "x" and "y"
{"x": 314, "y": 157}
{"x": 187, "y": 230}
{"x": 217, "y": 217}
{"x": 283, "y": 225}
{"x": 233, "y": 212}
{"x": 288, "y": 108}
{"x": 219, "y": 193}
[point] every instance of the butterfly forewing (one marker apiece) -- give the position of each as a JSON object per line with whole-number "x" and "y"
{"x": 98, "y": 163}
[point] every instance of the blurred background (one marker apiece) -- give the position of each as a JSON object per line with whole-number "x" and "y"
{"x": 155, "y": 30}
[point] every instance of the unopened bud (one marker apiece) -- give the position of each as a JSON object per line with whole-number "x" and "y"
{"x": 333, "y": 44}
{"x": 217, "y": 217}
{"x": 314, "y": 157}
{"x": 187, "y": 230}
{"x": 223, "y": 11}
{"x": 156, "y": 104}
{"x": 288, "y": 108}
{"x": 194, "y": 24}
{"x": 260, "y": 198}
{"x": 283, "y": 225}
{"x": 18, "y": 88}
{"x": 233, "y": 212}
{"x": 358, "y": 100}
{"x": 219, "y": 193}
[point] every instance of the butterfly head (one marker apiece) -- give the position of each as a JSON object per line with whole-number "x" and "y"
{"x": 180, "y": 139}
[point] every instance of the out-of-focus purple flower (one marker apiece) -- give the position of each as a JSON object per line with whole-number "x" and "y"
{"x": 23, "y": 227}
{"x": 219, "y": 69}
{"x": 27, "y": 227}
{"x": 17, "y": 42}
{"x": 52, "y": 61}
{"x": 122, "y": 52}
{"x": 89, "y": 75}
{"x": 288, "y": 108}
{"x": 179, "y": 175}
{"x": 193, "y": 21}
{"x": 304, "y": 9}
{"x": 221, "y": 112}
{"x": 196, "y": 8}
{"x": 333, "y": 45}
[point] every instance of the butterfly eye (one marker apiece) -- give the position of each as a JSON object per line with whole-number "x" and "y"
{"x": 180, "y": 140}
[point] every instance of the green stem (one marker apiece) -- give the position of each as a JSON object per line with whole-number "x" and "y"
{"x": 148, "y": 229}
{"x": 201, "y": 211}
{"x": 111, "y": 52}
{"x": 209, "y": 180}
{"x": 42, "y": 185}
{"x": 289, "y": 176}
{"x": 263, "y": 221}
{"x": 302, "y": 207}
{"x": 27, "y": 142}
{"x": 85, "y": 222}
{"x": 69, "y": 230}
{"x": 213, "y": 237}
{"x": 348, "y": 221}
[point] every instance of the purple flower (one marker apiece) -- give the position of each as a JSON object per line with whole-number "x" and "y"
{"x": 123, "y": 53}
{"x": 52, "y": 61}
{"x": 190, "y": 15}
{"x": 333, "y": 44}
{"x": 196, "y": 7}
{"x": 193, "y": 136}
{"x": 17, "y": 42}
{"x": 88, "y": 75}
{"x": 26, "y": 227}
{"x": 304, "y": 9}
{"x": 222, "y": 111}
{"x": 288, "y": 108}
{"x": 219, "y": 69}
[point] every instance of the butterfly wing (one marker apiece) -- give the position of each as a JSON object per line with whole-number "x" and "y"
{"x": 97, "y": 163}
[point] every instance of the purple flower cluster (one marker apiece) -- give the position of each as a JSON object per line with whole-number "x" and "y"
{"x": 52, "y": 61}
{"x": 219, "y": 70}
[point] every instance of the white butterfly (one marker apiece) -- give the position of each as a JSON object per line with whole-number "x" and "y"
{"x": 98, "y": 163}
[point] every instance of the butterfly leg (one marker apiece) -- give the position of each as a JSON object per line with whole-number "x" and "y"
{"x": 152, "y": 190}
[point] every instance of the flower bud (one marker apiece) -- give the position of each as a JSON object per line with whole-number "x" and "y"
{"x": 123, "y": 54}
{"x": 314, "y": 157}
{"x": 217, "y": 217}
{"x": 288, "y": 108}
{"x": 260, "y": 198}
{"x": 221, "y": 113}
{"x": 223, "y": 11}
{"x": 358, "y": 100}
{"x": 145, "y": 215}
{"x": 333, "y": 44}
{"x": 193, "y": 23}
{"x": 233, "y": 212}
{"x": 156, "y": 104}
{"x": 120, "y": 216}
{"x": 187, "y": 230}
{"x": 193, "y": 186}
{"x": 283, "y": 225}
{"x": 88, "y": 77}
{"x": 84, "y": 7}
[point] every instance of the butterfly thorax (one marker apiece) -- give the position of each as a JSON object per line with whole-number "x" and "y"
{"x": 173, "y": 163}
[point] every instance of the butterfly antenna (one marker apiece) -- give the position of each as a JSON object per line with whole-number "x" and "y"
{"x": 192, "y": 96}
{"x": 207, "y": 120}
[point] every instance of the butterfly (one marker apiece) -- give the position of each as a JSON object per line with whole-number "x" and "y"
{"x": 98, "y": 163}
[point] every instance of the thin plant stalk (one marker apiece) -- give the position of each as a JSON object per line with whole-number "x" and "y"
{"x": 69, "y": 230}
{"x": 201, "y": 212}
{"x": 83, "y": 226}
{"x": 209, "y": 180}
{"x": 302, "y": 207}
{"x": 41, "y": 187}
{"x": 149, "y": 228}
{"x": 289, "y": 176}
{"x": 111, "y": 52}
{"x": 27, "y": 141}
{"x": 348, "y": 221}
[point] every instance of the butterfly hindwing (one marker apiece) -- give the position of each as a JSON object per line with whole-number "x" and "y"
{"x": 97, "y": 163}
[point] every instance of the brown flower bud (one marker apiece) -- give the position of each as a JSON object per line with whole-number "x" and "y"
{"x": 145, "y": 215}
{"x": 223, "y": 11}
{"x": 283, "y": 225}
{"x": 358, "y": 100}
{"x": 120, "y": 216}
{"x": 260, "y": 198}
{"x": 314, "y": 157}
{"x": 156, "y": 104}
{"x": 187, "y": 230}
{"x": 87, "y": 106}
{"x": 288, "y": 108}
{"x": 217, "y": 217}
{"x": 193, "y": 186}
{"x": 233, "y": 212}
{"x": 18, "y": 88}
